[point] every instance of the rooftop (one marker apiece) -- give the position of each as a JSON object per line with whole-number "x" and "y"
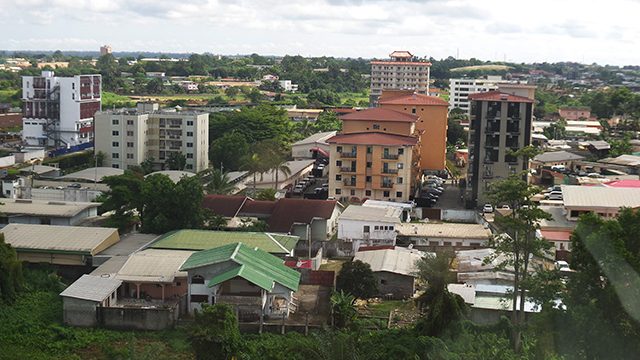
{"x": 287, "y": 212}
{"x": 39, "y": 169}
{"x": 252, "y": 264}
{"x": 14, "y": 207}
{"x": 174, "y": 175}
{"x": 624, "y": 160}
{"x": 444, "y": 230}
{"x": 366, "y": 213}
{"x": 379, "y": 114}
{"x": 373, "y": 138}
{"x": 93, "y": 174}
{"x": 204, "y": 239}
{"x": 224, "y": 205}
{"x": 494, "y": 95}
{"x": 93, "y": 288}
{"x": 315, "y": 138}
{"x": 414, "y": 99}
{"x": 575, "y": 196}
{"x": 557, "y": 156}
{"x": 71, "y": 239}
{"x": 399, "y": 260}
{"x": 154, "y": 265}
{"x": 623, "y": 183}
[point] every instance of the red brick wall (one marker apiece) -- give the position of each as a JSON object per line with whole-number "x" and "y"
{"x": 10, "y": 120}
{"x": 89, "y": 109}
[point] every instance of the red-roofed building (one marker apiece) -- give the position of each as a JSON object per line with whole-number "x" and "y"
{"x": 403, "y": 71}
{"x": 623, "y": 183}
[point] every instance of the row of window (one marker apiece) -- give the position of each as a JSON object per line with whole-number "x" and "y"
{"x": 367, "y": 178}
{"x": 385, "y": 193}
{"x": 385, "y": 151}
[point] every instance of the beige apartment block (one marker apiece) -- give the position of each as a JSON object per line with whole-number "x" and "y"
{"x": 402, "y": 71}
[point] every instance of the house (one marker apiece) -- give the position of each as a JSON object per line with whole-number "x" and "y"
{"x": 253, "y": 281}
{"x": 82, "y": 298}
{"x": 472, "y": 268}
{"x": 434, "y": 236}
{"x": 557, "y": 230}
{"x": 364, "y": 225}
{"x": 555, "y": 158}
{"x": 313, "y": 146}
{"x": 395, "y": 270}
{"x": 604, "y": 201}
{"x": 58, "y": 245}
{"x": 23, "y": 211}
{"x": 194, "y": 240}
{"x": 406, "y": 208}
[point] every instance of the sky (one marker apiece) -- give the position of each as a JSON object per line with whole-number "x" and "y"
{"x": 605, "y": 32}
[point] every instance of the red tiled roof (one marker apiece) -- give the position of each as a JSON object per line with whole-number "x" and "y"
{"x": 414, "y": 99}
{"x": 224, "y": 205}
{"x": 498, "y": 96}
{"x": 380, "y": 114}
{"x": 289, "y": 211}
{"x": 556, "y": 235}
{"x": 373, "y": 138}
{"x": 257, "y": 208}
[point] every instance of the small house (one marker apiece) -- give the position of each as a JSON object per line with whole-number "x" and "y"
{"x": 81, "y": 299}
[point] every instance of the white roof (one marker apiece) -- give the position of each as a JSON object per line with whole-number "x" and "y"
{"x": 12, "y": 207}
{"x": 575, "y": 196}
{"x": 466, "y": 291}
{"x": 93, "y": 174}
{"x": 380, "y": 203}
{"x": 316, "y": 138}
{"x": 365, "y": 213}
{"x": 154, "y": 265}
{"x": 59, "y": 238}
{"x": 555, "y": 156}
{"x": 93, "y": 288}
{"x": 444, "y": 230}
{"x": 39, "y": 169}
{"x": 399, "y": 260}
{"x": 626, "y": 160}
{"x": 174, "y": 175}
{"x": 473, "y": 260}
{"x": 297, "y": 167}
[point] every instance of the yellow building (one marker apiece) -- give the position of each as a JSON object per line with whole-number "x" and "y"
{"x": 431, "y": 126}
{"x": 376, "y": 156}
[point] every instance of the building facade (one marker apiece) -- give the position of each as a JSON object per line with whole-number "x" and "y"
{"x": 128, "y": 137}
{"x": 402, "y": 71}
{"x": 460, "y": 89}
{"x": 59, "y": 111}
{"x": 105, "y": 49}
{"x": 376, "y": 156}
{"x": 500, "y": 123}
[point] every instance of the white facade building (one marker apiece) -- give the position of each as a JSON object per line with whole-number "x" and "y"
{"x": 129, "y": 137}
{"x": 459, "y": 90}
{"x": 288, "y": 86}
{"x": 58, "y": 111}
{"x": 364, "y": 225}
{"x": 402, "y": 71}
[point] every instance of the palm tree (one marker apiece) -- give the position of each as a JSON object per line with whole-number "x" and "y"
{"x": 442, "y": 306}
{"x": 255, "y": 165}
{"x": 216, "y": 182}
{"x": 281, "y": 165}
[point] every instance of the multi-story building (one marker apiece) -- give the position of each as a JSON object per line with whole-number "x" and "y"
{"x": 402, "y": 71}
{"x": 431, "y": 127}
{"x": 460, "y": 89}
{"x": 500, "y": 124}
{"x": 131, "y": 136}
{"x": 105, "y": 49}
{"x": 376, "y": 156}
{"x": 58, "y": 111}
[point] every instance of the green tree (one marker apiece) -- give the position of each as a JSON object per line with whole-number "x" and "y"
{"x": 214, "y": 333}
{"x": 147, "y": 165}
{"x": 343, "y": 309}
{"x": 442, "y": 307}
{"x": 455, "y": 133}
{"x": 123, "y": 198}
{"x": 108, "y": 68}
{"x": 556, "y": 130}
{"x": 322, "y": 97}
{"x": 232, "y": 92}
{"x": 280, "y": 165}
{"x": 255, "y": 96}
{"x": 154, "y": 86}
{"x": 620, "y": 147}
{"x": 216, "y": 182}
{"x": 176, "y": 161}
{"x": 11, "y": 280}
{"x": 228, "y": 150}
{"x": 327, "y": 121}
{"x": 266, "y": 194}
{"x": 356, "y": 278}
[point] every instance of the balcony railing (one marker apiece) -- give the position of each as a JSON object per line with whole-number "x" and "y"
{"x": 386, "y": 185}
{"x": 389, "y": 171}
{"x": 348, "y": 154}
{"x": 390, "y": 156}
{"x": 347, "y": 169}
{"x": 349, "y": 182}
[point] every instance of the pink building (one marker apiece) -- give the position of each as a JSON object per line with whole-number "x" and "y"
{"x": 575, "y": 113}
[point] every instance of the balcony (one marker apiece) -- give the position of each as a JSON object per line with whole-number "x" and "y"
{"x": 347, "y": 169}
{"x": 514, "y": 130}
{"x": 390, "y": 156}
{"x": 350, "y": 155}
{"x": 386, "y": 185}
{"x": 349, "y": 182}
{"x": 389, "y": 171}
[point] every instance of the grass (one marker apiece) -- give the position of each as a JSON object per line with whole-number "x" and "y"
{"x": 383, "y": 308}
{"x": 110, "y": 100}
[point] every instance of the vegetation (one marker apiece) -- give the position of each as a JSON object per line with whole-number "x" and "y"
{"x": 356, "y": 278}
{"x": 343, "y": 309}
{"x": 216, "y": 182}
{"x": 11, "y": 280}
{"x": 214, "y": 333}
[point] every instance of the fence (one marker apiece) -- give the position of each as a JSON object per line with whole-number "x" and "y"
{"x": 71, "y": 149}
{"x": 317, "y": 277}
{"x": 467, "y": 216}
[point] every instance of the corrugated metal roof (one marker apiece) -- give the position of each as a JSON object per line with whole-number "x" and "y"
{"x": 154, "y": 265}
{"x": 317, "y": 137}
{"x": 75, "y": 239}
{"x": 93, "y": 288}
{"x": 575, "y": 196}
{"x": 253, "y": 264}
{"x": 366, "y": 213}
{"x": 44, "y": 207}
{"x": 555, "y": 156}
{"x": 205, "y": 239}
{"x": 94, "y": 174}
{"x": 399, "y": 260}
{"x": 445, "y": 230}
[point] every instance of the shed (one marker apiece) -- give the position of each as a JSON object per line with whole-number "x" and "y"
{"x": 82, "y": 298}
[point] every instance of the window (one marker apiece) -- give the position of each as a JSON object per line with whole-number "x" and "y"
{"x": 197, "y": 279}
{"x": 115, "y": 122}
{"x": 129, "y": 122}
{"x": 376, "y": 227}
{"x": 129, "y": 133}
{"x": 400, "y": 151}
{"x": 129, "y": 156}
{"x": 129, "y": 144}
{"x": 413, "y": 111}
{"x": 367, "y": 192}
{"x": 115, "y": 133}
{"x": 376, "y": 127}
{"x": 189, "y": 156}
{"x": 73, "y": 86}
{"x": 338, "y": 191}
{"x": 73, "y": 96}
{"x": 339, "y": 149}
{"x": 115, "y": 144}
{"x": 385, "y": 194}
{"x": 400, "y": 165}
{"x": 200, "y": 298}
{"x": 353, "y": 192}
{"x": 368, "y": 164}
{"x": 338, "y": 177}
{"x": 189, "y": 123}
{"x": 115, "y": 166}
{"x": 338, "y": 162}
{"x": 189, "y": 145}
{"x": 366, "y": 229}
{"x": 367, "y": 178}
{"x": 369, "y": 149}
{"x": 189, "y": 133}
{"x": 115, "y": 156}
{"x": 189, "y": 166}
{"x": 391, "y": 228}
{"x": 383, "y": 282}
{"x": 399, "y": 194}
{"x": 400, "y": 180}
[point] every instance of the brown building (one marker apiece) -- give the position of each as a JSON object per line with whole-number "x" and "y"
{"x": 376, "y": 156}
{"x": 432, "y": 124}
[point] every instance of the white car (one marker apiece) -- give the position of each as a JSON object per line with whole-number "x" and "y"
{"x": 487, "y": 208}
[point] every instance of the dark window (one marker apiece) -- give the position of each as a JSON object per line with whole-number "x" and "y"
{"x": 338, "y": 191}
{"x": 197, "y": 279}
{"x": 189, "y": 144}
{"x": 385, "y": 194}
{"x": 339, "y": 149}
{"x": 366, "y": 228}
{"x": 200, "y": 298}
{"x": 338, "y": 162}
{"x": 115, "y": 133}
{"x": 368, "y": 164}
{"x": 367, "y": 192}
{"x": 369, "y": 149}
{"x": 189, "y": 123}
{"x": 338, "y": 177}
{"x": 383, "y": 281}
{"x": 399, "y": 194}
{"x": 353, "y": 192}
{"x": 400, "y": 151}
{"x": 115, "y": 144}
{"x": 376, "y": 127}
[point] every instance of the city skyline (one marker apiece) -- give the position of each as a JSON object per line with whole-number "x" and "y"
{"x": 492, "y": 30}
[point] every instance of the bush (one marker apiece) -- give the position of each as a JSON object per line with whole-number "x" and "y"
{"x": 356, "y": 278}
{"x": 215, "y": 334}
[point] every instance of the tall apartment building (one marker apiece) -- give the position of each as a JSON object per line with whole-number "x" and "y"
{"x": 105, "y": 49}
{"x": 131, "y": 136}
{"x": 376, "y": 156}
{"x": 500, "y": 123}
{"x": 431, "y": 126}
{"x": 460, "y": 89}
{"x": 402, "y": 71}
{"x": 58, "y": 111}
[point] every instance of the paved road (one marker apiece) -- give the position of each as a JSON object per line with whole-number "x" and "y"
{"x": 450, "y": 198}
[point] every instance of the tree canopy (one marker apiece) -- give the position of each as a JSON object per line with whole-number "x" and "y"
{"x": 356, "y": 278}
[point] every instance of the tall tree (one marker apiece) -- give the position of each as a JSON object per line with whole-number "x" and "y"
{"x": 228, "y": 150}
{"x": 216, "y": 182}
{"x": 176, "y": 161}
{"x": 356, "y": 278}
{"x": 10, "y": 271}
{"x": 123, "y": 198}
{"x": 215, "y": 334}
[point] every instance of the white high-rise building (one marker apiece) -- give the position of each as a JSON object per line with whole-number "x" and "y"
{"x": 58, "y": 111}
{"x": 402, "y": 71}
{"x": 130, "y": 136}
{"x": 460, "y": 89}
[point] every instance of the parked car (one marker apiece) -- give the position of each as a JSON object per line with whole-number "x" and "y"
{"x": 505, "y": 207}
{"x": 555, "y": 197}
{"x": 487, "y": 208}
{"x": 325, "y": 186}
{"x": 595, "y": 175}
{"x": 298, "y": 189}
{"x": 74, "y": 186}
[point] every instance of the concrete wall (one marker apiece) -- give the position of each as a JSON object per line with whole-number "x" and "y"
{"x": 138, "y": 318}
{"x": 466, "y": 216}
{"x": 7, "y": 161}
{"x": 354, "y": 229}
{"x": 78, "y": 312}
{"x": 399, "y": 286}
{"x": 67, "y": 194}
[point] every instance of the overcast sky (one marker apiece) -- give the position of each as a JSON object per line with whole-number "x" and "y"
{"x": 606, "y": 32}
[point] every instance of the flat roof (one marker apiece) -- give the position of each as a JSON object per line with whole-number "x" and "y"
{"x": 72, "y": 239}
{"x": 554, "y": 156}
{"x": 205, "y": 239}
{"x": 575, "y": 196}
{"x": 398, "y": 261}
{"x": 367, "y": 213}
{"x": 154, "y": 265}
{"x": 174, "y": 175}
{"x": 444, "y": 230}
{"x": 39, "y": 169}
{"x": 92, "y": 288}
{"x": 13, "y": 207}
{"x": 93, "y": 174}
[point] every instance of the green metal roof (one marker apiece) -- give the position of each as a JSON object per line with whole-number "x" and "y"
{"x": 254, "y": 265}
{"x": 205, "y": 239}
